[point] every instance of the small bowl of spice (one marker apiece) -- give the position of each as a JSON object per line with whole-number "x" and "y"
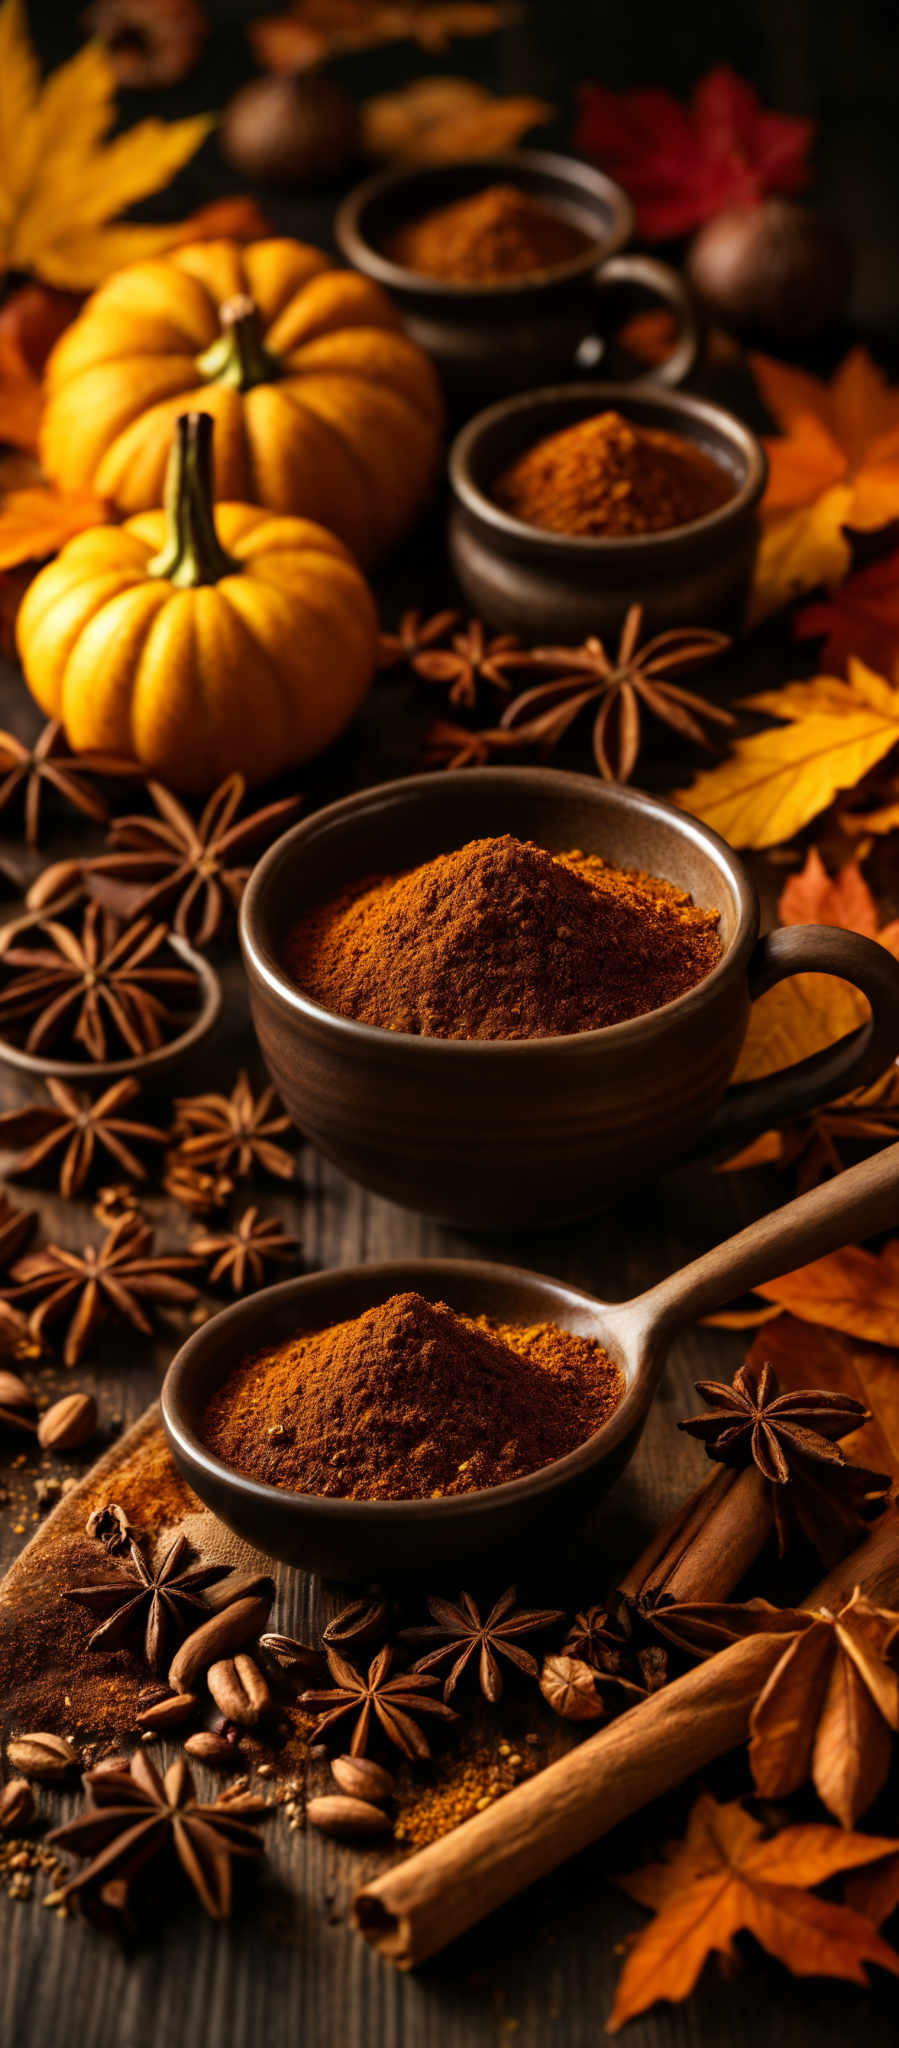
{"x": 377, "y": 1421}
{"x": 570, "y": 505}
{"x": 499, "y": 994}
{"x": 507, "y": 269}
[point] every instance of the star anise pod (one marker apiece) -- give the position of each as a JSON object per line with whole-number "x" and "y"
{"x": 188, "y": 871}
{"x": 460, "y": 1633}
{"x": 636, "y": 677}
{"x": 194, "y": 1189}
{"x": 830, "y": 1707}
{"x": 109, "y": 986}
{"x": 134, "y": 1815}
{"x": 76, "y": 1125}
{"x": 447, "y": 745}
{"x": 120, "y": 1274}
{"x": 16, "y": 1227}
{"x": 49, "y": 764}
{"x": 595, "y": 1638}
{"x": 473, "y": 656}
{"x": 394, "y": 1703}
{"x": 240, "y": 1253}
{"x": 792, "y": 1439}
{"x": 814, "y": 1144}
{"x": 164, "y": 1605}
{"x": 17, "y": 1409}
{"x": 115, "y": 1201}
{"x": 413, "y": 635}
{"x": 234, "y": 1133}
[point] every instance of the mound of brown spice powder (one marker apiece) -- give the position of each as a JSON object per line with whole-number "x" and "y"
{"x": 500, "y": 232}
{"x": 410, "y": 1401}
{"x": 503, "y": 940}
{"x": 608, "y": 476}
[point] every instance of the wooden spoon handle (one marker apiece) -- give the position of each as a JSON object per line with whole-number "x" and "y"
{"x": 855, "y": 1204}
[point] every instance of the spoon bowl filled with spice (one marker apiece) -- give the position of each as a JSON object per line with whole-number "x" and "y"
{"x": 380, "y": 1421}
{"x": 508, "y": 269}
{"x": 501, "y": 994}
{"x": 571, "y": 504}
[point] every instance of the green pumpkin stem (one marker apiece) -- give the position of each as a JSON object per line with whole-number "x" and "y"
{"x": 238, "y": 356}
{"x": 192, "y": 552}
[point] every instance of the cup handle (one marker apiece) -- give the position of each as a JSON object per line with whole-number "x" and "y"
{"x": 645, "y": 274}
{"x": 754, "y": 1106}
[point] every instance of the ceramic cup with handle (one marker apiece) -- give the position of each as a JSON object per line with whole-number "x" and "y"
{"x": 502, "y": 335}
{"x": 362, "y": 1539}
{"x": 493, "y": 1133}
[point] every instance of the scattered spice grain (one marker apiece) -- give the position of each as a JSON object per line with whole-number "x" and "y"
{"x": 502, "y": 939}
{"x": 410, "y": 1400}
{"x": 488, "y": 237}
{"x": 610, "y": 477}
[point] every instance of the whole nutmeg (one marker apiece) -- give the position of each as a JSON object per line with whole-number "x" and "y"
{"x": 287, "y": 131}
{"x": 70, "y": 1423}
{"x": 362, "y": 1779}
{"x": 777, "y": 270}
{"x": 16, "y": 1806}
{"x": 17, "y": 1402}
{"x": 336, "y": 1814}
{"x": 169, "y": 1711}
{"x": 214, "y": 1750}
{"x": 217, "y": 1638}
{"x": 239, "y": 1690}
{"x": 42, "y": 1756}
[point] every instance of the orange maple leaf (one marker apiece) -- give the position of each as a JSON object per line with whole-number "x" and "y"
{"x": 726, "y": 1878}
{"x": 860, "y": 618}
{"x": 834, "y": 465}
{"x": 21, "y": 402}
{"x": 37, "y": 521}
{"x": 852, "y": 1290}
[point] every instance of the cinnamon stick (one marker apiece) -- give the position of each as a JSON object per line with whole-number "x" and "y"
{"x": 426, "y": 1902}
{"x": 708, "y": 1545}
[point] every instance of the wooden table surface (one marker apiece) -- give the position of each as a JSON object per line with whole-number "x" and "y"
{"x": 290, "y": 1967}
{"x": 543, "y": 1970}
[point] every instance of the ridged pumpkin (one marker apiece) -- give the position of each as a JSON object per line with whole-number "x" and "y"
{"x": 323, "y": 407}
{"x": 201, "y": 643}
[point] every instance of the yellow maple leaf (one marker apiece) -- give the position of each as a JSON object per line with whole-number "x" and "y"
{"x": 834, "y": 464}
{"x": 774, "y": 782}
{"x": 61, "y": 184}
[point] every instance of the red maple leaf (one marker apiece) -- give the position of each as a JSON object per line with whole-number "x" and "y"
{"x": 683, "y": 164}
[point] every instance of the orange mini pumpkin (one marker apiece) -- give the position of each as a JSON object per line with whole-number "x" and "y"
{"x": 323, "y": 406}
{"x": 201, "y": 643}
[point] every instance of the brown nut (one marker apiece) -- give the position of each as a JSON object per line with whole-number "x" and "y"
{"x": 216, "y": 1638}
{"x": 70, "y": 1423}
{"x": 41, "y": 1756}
{"x": 239, "y": 1690}
{"x": 114, "y": 1766}
{"x": 362, "y": 1779}
{"x": 17, "y": 1401}
{"x": 239, "y": 1586}
{"x": 345, "y": 1818}
{"x": 293, "y": 1658}
{"x": 16, "y": 1806}
{"x": 213, "y": 1750}
{"x": 169, "y": 1712}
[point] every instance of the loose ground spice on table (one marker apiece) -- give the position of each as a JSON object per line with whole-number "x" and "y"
{"x": 611, "y": 477}
{"x": 501, "y": 232}
{"x": 410, "y": 1401}
{"x": 503, "y": 940}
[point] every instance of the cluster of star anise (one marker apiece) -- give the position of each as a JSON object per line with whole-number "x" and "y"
{"x": 617, "y": 688}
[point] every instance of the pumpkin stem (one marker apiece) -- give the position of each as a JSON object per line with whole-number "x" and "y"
{"x": 239, "y": 357}
{"x": 192, "y": 552}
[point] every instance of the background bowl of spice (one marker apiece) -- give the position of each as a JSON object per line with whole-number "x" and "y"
{"x": 384, "y": 1420}
{"x": 474, "y": 1046}
{"x": 507, "y": 269}
{"x": 571, "y": 504}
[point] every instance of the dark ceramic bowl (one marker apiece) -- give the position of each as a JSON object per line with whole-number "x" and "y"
{"x": 489, "y": 339}
{"x": 358, "y": 1539}
{"x": 552, "y": 586}
{"x": 488, "y": 1134}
